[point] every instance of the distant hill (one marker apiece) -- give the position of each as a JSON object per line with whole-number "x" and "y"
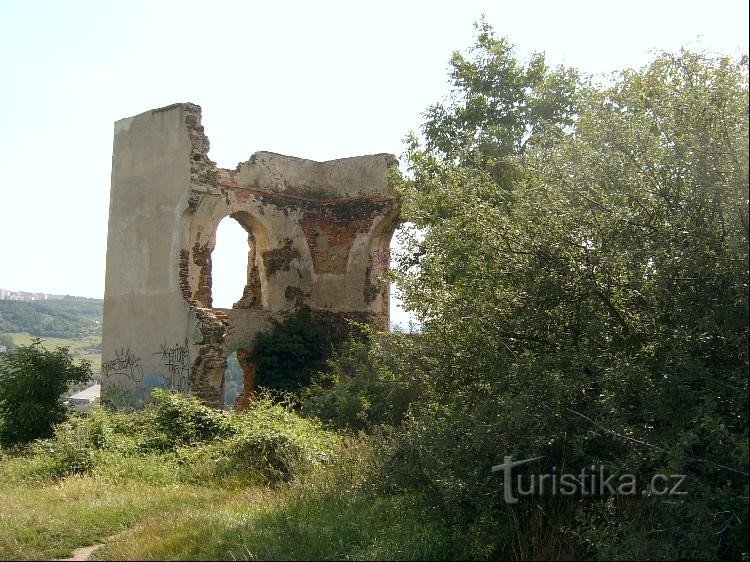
{"x": 67, "y": 317}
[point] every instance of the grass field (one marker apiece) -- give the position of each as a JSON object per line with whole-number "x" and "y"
{"x": 149, "y": 514}
{"x": 83, "y": 348}
{"x": 130, "y": 485}
{"x": 43, "y": 520}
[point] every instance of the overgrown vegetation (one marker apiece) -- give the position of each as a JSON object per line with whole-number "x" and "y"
{"x": 287, "y": 356}
{"x": 265, "y": 445}
{"x": 579, "y": 264}
{"x": 32, "y": 383}
{"x": 189, "y": 481}
{"x": 581, "y": 270}
{"x": 364, "y": 385}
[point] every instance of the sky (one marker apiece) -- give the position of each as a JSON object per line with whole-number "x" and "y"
{"x": 318, "y": 80}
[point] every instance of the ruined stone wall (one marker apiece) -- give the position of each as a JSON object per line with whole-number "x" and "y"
{"x": 318, "y": 233}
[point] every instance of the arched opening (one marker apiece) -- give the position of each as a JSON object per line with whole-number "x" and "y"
{"x": 383, "y": 296}
{"x": 230, "y": 263}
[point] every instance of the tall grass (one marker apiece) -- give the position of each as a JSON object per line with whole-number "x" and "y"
{"x": 182, "y": 481}
{"x": 329, "y": 513}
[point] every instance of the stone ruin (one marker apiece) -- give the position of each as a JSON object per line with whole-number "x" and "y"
{"x": 318, "y": 235}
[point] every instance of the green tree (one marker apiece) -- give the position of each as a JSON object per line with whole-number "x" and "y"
{"x": 32, "y": 383}
{"x": 498, "y": 109}
{"x": 364, "y": 386}
{"x": 580, "y": 267}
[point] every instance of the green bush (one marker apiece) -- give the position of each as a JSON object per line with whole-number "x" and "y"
{"x": 182, "y": 419}
{"x": 287, "y": 356}
{"x": 268, "y": 443}
{"x": 363, "y": 386}
{"x": 32, "y": 383}
{"x": 100, "y": 433}
{"x": 178, "y": 439}
{"x": 68, "y": 452}
{"x": 278, "y": 440}
{"x": 580, "y": 265}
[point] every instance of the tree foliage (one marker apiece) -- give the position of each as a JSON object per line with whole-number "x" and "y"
{"x": 364, "y": 385}
{"x": 498, "y": 108}
{"x": 32, "y": 383}
{"x": 287, "y": 356}
{"x": 580, "y": 265}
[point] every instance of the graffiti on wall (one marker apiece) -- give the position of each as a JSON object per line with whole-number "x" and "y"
{"x": 120, "y": 393}
{"x": 381, "y": 259}
{"x": 176, "y": 359}
{"x": 152, "y": 381}
{"x": 124, "y": 363}
{"x": 119, "y": 397}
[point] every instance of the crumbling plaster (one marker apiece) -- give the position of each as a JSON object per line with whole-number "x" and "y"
{"x": 318, "y": 233}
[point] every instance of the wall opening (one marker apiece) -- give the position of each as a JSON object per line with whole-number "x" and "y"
{"x": 234, "y": 381}
{"x": 400, "y": 319}
{"x": 230, "y": 263}
{"x": 378, "y": 289}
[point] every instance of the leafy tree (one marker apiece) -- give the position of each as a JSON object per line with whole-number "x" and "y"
{"x": 580, "y": 267}
{"x": 498, "y": 109}
{"x": 364, "y": 386}
{"x": 32, "y": 383}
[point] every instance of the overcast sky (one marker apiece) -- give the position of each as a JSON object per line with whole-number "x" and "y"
{"x": 313, "y": 79}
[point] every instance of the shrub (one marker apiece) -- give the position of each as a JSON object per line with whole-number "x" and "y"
{"x": 580, "y": 266}
{"x": 183, "y": 419}
{"x": 179, "y": 439}
{"x": 362, "y": 388}
{"x": 32, "y": 383}
{"x": 287, "y": 356}
{"x": 100, "y": 432}
{"x": 278, "y": 441}
{"x": 269, "y": 443}
{"x": 69, "y": 452}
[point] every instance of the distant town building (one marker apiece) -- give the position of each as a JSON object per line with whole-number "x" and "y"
{"x": 6, "y": 295}
{"x": 3, "y": 348}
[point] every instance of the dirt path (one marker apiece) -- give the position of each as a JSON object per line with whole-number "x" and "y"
{"x": 83, "y": 553}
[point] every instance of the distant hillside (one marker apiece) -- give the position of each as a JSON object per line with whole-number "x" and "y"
{"x": 69, "y": 317}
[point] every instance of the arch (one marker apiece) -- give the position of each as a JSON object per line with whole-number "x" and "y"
{"x": 199, "y": 270}
{"x": 377, "y": 286}
{"x": 255, "y": 294}
{"x": 230, "y": 263}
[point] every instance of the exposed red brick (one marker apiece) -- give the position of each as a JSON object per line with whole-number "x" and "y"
{"x": 202, "y": 258}
{"x": 330, "y": 238}
{"x": 248, "y": 389}
{"x": 187, "y": 292}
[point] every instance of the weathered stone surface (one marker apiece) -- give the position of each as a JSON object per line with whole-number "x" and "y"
{"x": 318, "y": 232}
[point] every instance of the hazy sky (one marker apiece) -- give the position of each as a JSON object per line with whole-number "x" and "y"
{"x": 314, "y": 79}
